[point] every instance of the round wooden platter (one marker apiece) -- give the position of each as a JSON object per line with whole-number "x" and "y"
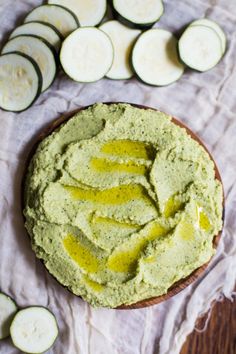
{"x": 181, "y": 284}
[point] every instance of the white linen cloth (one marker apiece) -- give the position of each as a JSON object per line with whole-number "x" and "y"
{"x": 207, "y": 104}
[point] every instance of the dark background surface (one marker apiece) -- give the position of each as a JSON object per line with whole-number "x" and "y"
{"x": 220, "y": 335}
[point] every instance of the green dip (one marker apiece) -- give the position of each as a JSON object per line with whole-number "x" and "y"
{"x": 121, "y": 203}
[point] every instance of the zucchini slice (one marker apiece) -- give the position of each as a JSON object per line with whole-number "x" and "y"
{"x": 123, "y": 39}
{"x": 138, "y": 13}
{"x": 155, "y": 58}
{"x": 63, "y": 19}
{"x": 43, "y": 30}
{"x": 34, "y": 330}
{"x": 20, "y": 82}
{"x": 8, "y": 310}
{"x": 89, "y": 12}
{"x": 214, "y": 26}
{"x": 200, "y": 48}
{"x": 40, "y": 51}
{"x": 87, "y": 54}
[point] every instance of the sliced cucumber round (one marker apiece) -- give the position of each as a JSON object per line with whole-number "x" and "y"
{"x": 40, "y": 50}
{"x": 138, "y": 13}
{"x": 43, "y": 30}
{"x": 89, "y": 12}
{"x": 123, "y": 39}
{"x": 200, "y": 48}
{"x": 34, "y": 330}
{"x": 20, "y": 82}
{"x": 155, "y": 58}
{"x": 60, "y": 17}
{"x": 8, "y": 310}
{"x": 214, "y": 26}
{"x": 87, "y": 54}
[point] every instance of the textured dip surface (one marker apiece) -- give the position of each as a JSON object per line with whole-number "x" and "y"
{"x": 121, "y": 203}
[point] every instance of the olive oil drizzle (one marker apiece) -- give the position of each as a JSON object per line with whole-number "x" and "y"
{"x": 129, "y": 148}
{"x": 81, "y": 254}
{"x": 93, "y": 284}
{"x": 113, "y": 196}
{"x": 108, "y": 166}
{"x": 126, "y": 260}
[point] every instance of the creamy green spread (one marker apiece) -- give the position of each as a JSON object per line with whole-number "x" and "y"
{"x": 121, "y": 203}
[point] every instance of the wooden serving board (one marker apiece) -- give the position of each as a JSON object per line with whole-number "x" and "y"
{"x": 181, "y": 284}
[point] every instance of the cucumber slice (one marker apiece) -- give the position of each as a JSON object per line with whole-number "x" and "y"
{"x": 200, "y": 48}
{"x": 40, "y": 51}
{"x": 123, "y": 39}
{"x": 138, "y": 13}
{"x": 87, "y": 54}
{"x": 20, "y": 82}
{"x": 89, "y": 12}
{"x": 63, "y": 19}
{"x": 155, "y": 58}
{"x": 214, "y": 26}
{"x": 8, "y": 310}
{"x": 43, "y": 30}
{"x": 34, "y": 330}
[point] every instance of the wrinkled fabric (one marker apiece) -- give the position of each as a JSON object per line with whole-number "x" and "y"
{"x": 207, "y": 104}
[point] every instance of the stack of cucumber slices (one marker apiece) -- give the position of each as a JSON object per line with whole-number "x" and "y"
{"x": 29, "y": 60}
{"x": 117, "y": 49}
{"x": 33, "y": 329}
